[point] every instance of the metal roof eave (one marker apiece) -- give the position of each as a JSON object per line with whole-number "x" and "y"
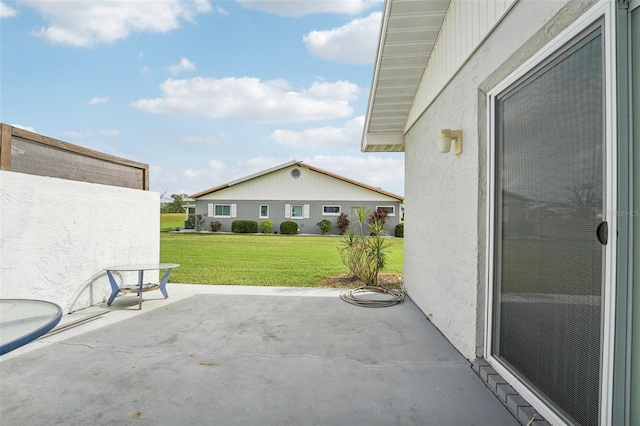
{"x": 403, "y": 47}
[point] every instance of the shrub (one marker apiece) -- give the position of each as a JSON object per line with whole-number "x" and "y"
{"x": 343, "y": 223}
{"x": 244, "y": 226}
{"x": 324, "y": 225}
{"x": 289, "y": 227}
{"x": 365, "y": 255}
{"x": 380, "y": 215}
{"x": 195, "y": 222}
{"x": 266, "y": 226}
{"x": 400, "y": 230}
{"x": 215, "y": 226}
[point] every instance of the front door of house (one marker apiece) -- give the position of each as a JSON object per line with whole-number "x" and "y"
{"x": 550, "y": 227}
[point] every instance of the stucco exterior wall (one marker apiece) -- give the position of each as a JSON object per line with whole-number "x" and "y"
{"x": 57, "y": 236}
{"x": 250, "y": 210}
{"x": 445, "y": 194}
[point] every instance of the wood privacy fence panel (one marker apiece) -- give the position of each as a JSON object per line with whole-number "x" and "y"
{"x": 27, "y": 152}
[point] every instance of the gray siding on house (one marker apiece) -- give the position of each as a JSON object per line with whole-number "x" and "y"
{"x": 250, "y": 210}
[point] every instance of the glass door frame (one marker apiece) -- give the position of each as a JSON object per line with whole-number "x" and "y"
{"x": 605, "y": 11}
{"x": 626, "y": 372}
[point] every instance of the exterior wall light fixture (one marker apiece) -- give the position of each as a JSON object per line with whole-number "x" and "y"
{"x": 446, "y": 137}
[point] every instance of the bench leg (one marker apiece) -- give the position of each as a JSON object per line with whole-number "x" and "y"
{"x": 163, "y": 283}
{"x": 114, "y": 288}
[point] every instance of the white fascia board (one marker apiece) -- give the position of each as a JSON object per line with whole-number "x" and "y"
{"x": 393, "y": 141}
{"x": 376, "y": 70}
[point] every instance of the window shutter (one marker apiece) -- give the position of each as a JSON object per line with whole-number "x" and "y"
{"x": 234, "y": 210}
{"x": 306, "y": 211}
{"x": 287, "y": 211}
{"x": 210, "y": 210}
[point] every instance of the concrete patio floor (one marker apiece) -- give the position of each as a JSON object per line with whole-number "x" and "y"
{"x": 226, "y": 355}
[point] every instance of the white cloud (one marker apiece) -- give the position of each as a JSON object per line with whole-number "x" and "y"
{"x": 354, "y": 43}
{"x": 251, "y": 100}
{"x": 221, "y": 11}
{"x": 145, "y": 70}
{"x": 97, "y": 101}
{"x": 89, "y": 22}
{"x": 6, "y": 11}
{"x": 184, "y": 65}
{"x": 214, "y": 173}
{"x": 295, "y": 8}
{"x": 27, "y": 128}
{"x": 347, "y": 136}
{"x": 338, "y": 90}
{"x": 110, "y": 133}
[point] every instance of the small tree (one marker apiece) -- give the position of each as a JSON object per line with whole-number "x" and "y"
{"x": 365, "y": 255}
{"x": 174, "y": 206}
{"x": 343, "y": 223}
{"x": 199, "y": 221}
{"x": 324, "y": 225}
{"x": 379, "y": 215}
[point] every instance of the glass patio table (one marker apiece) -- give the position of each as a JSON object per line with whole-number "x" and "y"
{"x": 24, "y": 320}
{"x": 140, "y": 287}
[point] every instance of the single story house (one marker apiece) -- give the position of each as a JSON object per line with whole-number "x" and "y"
{"x": 520, "y": 124}
{"x": 297, "y": 192}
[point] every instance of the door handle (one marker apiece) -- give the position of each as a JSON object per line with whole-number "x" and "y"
{"x": 602, "y": 232}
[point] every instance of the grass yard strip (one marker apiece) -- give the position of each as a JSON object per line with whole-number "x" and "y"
{"x": 266, "y": 260}
{"x": 171, "y": 220}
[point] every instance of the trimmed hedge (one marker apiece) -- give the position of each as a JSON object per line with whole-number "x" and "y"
{"x": 244, "y": 226}
{"x": 400, "y": 230}
{"x": 289, "y": 228}
{"x": 266, "y": 226}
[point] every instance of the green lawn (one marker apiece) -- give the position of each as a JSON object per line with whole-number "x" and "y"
{"x": 171, "y": 220}
{"x": 269, "y": 260}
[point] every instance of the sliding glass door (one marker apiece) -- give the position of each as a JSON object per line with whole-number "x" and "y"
{"x": 550, "y": 229}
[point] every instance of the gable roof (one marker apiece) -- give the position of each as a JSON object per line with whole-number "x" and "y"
{"x": 299, "y": 164}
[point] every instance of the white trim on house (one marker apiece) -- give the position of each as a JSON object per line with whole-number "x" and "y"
{"x": 302, "y": 211}
{"x": 263, "y": 216}
{"x": 391, "y": 210}
{"x": 297, "y": 211}
{"x": 220, "y": 213}
{"x": 331, "y": 207}
{"x": 607, "y": 12}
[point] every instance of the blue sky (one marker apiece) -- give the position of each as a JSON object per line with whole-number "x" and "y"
{"x": 203, "y": 91}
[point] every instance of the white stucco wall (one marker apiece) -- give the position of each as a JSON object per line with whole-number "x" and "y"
{"x": 57, "y": 236}
{"x": 445, "y": 194}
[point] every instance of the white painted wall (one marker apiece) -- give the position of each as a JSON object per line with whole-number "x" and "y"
{"x": 57, "y": 236}
{"x": 467, "y": 23}
{"x": 445, "y": 194}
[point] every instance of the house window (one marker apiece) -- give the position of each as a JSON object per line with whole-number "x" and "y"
{"x": 296, "y": 212}
{"x": 222, "y": 210}
{"x": 264, "y": 211}
{"x": 330, "y": 210}
{"x": 391, "y": 210}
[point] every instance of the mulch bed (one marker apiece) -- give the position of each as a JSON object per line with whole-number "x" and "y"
{"x": 347, "y": 281}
